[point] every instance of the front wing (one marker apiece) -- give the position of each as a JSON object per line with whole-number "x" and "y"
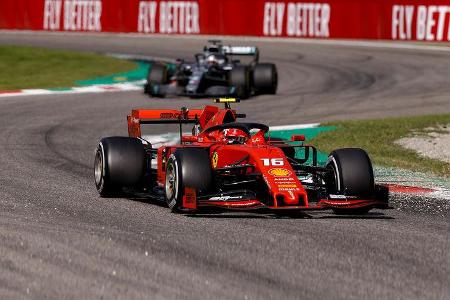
{"x": 247, "y": 202}
{"x": 163, "y": 90}
{"x": 322, "y": 204}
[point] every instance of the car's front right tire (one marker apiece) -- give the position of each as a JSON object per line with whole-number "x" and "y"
{"x": 351, "y": 174}
{"x": 186, "y": 168}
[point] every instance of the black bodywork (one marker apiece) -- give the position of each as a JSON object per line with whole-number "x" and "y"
{"x": 215, "y": 73}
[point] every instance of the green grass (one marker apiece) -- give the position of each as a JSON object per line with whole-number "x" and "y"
{"x": 378, "y": 136}
{"x": 29, "y": 67}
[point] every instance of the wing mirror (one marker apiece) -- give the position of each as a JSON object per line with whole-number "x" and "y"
{"x": 298, "y": 138}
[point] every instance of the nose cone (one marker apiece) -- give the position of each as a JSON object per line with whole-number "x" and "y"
{"x": 288, "y": 191}
{"x": 290, "y": 198}
{"x": 280, "y": 178}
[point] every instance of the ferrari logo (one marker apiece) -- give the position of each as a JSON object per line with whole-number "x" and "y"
{"x": 215, "y": 159}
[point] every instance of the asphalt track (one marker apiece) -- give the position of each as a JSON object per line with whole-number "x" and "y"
{"x": 59, "y": 240}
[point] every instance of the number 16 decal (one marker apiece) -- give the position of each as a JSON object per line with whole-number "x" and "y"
{"x": 272, "y": 162}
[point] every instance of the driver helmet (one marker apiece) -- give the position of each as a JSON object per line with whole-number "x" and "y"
{"x": 234, "y": 136}
{"x": 215, "y": 60}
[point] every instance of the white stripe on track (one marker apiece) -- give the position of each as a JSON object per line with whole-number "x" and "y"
{"x": 102, "y": 88}
{"x": 295, "y": 126}
{"x": 405, "y": 45}
{"x": 171, "y": 138}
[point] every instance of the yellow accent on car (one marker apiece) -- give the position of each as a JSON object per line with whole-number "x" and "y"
{"x": 215, "y": 159}
{"x": 226, "y": 100}
{"x": 287, "y": 186}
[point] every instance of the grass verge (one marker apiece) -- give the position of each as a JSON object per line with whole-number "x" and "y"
{"x": 378, "y": 137}
{"x": 30, "y": 67}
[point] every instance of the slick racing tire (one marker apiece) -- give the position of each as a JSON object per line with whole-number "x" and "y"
{"x": 265, "y": 79}
{"x": 157, "y": 75}
{"x": 186, "y": 168}
{"x": 119, "y": 162}
{"x": 240, "y": 79}
{"x": 352, "y": 175}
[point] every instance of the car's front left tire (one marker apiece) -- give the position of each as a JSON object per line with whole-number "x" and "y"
{"x": 119, "y": 162}
{"x": 265, "y": 79}
{"x": 157, "y": 75}
{"x": 241, "y": 81}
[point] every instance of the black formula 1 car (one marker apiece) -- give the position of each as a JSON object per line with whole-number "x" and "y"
{"x": 215, "y": 73}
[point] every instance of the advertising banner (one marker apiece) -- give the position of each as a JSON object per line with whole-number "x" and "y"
{"x": 348, "y": 19}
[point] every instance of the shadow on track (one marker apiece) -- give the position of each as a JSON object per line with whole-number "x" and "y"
{"x": 292, "y": 215}
{"x": 221, "y": 213}
{"x": 368, "y": 216}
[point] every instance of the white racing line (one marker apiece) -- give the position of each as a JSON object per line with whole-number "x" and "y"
{"x": 388, "y": 44}
{"x": 172, "y": 138}
{"x": 402, "y": 45}
{"x": 434, "y": 187}
{"x": 98, "y": 88}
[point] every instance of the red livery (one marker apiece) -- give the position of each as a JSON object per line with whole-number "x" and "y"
{"x": 233, "y": 165}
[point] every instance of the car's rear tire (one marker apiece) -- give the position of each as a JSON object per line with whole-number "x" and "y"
{"x": 240, "y": 79}
{"x": 119, "y": 162}
{"x": 265, "y": 78}
{"x": 352, "y": 175}
{"x": 187, "y": 168}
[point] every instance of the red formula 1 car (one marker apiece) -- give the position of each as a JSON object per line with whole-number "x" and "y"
{"x": 232, "y": 165}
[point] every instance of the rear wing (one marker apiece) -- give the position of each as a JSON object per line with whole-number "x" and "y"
{"x": 242, "y": 50}
{"x": 209, "y": 116}
{"x": 140, "y": 117}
